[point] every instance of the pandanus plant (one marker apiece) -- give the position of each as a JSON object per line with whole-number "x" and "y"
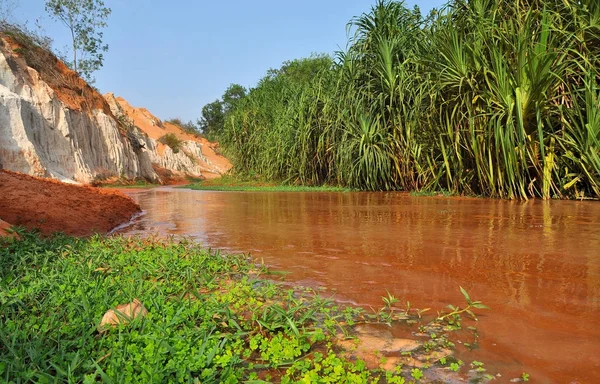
{"x": 488, "y": 97}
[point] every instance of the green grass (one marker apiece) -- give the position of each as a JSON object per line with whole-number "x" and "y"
{"x": 431, "y": 193}
{"x": 124, "y": 183}
{"x": 265, "y": 188}
{"x": 211, "y": 317}
{"x": 128, "y": 184}
{"x": 233, "y": 183}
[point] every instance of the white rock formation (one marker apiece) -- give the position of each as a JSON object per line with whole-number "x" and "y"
{"x": 189, "y": 160}
{"x": 42, "y": 136}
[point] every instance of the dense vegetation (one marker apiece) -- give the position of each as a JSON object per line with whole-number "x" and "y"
{"x": 209, "y": 318}
{"x": 213, "y": 114}
{"x": 487, "y": 97}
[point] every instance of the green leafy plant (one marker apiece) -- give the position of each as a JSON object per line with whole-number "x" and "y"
{"x": 172, "y": 141}
{"x": 416, "y": 374}
{"x": 478, "y": 366}
{"x": 454, "y": 316}
{"x": 455, "y": 367}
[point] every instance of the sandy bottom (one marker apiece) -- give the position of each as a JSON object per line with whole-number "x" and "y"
{"x": 52, "y": 206}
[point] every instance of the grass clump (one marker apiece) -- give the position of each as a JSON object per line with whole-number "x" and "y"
{"x": 171, "y": 140}
{"x": 189, "y": 127}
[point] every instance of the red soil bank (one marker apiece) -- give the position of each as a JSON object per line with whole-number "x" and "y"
{"x": 52, "y": 206}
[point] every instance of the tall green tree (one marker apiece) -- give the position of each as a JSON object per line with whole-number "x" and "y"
{"x": 232, "y": 95}
{"x": 84, "y": 19}
{"x": 213, "y": 114}
{"x": 212, "y": 117}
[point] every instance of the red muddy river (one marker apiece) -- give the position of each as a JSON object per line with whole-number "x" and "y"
{"x": 536, "y": 264}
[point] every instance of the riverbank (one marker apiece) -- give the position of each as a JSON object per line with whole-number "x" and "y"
{"x": 52, "y": 206}
{"x": 199, "y": 316}
{"x": 237, "y": 184}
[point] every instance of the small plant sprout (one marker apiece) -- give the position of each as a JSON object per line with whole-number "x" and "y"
{"x": 455, "y": 367}
{"x": 420, "y": 312}
{"x": 456, "y": 311}
{"x": 478, "y": 366}
{"x": 387, "y": 312}
{"x": 390, "y": 300}
{"x": 416, "y": 374}
{"x": 407, "y": 308}
{"x": 525, "y": 376}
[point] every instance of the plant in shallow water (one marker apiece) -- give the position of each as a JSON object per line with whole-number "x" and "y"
{"x": 454, "y": 316}
{"x": 456, "y": 366}
{"x": 387, "y": 312}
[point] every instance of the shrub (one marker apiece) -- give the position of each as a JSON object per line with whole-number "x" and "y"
{"x": 172, "y": 141}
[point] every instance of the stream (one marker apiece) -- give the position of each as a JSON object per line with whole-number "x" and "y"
{"x": 536, "y": 264}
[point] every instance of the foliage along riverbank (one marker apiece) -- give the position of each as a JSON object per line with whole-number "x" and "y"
{"x": 236, "y": 183}
{"x": 209, "y": 319}
{"x": 485, "y": 97}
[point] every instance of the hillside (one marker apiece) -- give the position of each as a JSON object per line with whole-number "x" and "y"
{"x": 53, "y": 124}
{"x": 197, "y": 156}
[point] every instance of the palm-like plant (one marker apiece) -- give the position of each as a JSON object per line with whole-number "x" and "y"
{"x": 490, "y": 97}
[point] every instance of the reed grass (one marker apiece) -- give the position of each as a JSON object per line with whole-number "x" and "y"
{"x": 487, "y": 97}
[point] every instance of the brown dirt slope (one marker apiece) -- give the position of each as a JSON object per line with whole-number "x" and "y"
{"x": 52, "y": 206}
{"x": 69, "y": 87}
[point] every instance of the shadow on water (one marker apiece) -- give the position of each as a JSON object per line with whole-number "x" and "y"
{"x": 536, "y": 263}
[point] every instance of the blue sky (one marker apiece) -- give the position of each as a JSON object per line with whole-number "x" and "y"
{"x": 173, "y": 57}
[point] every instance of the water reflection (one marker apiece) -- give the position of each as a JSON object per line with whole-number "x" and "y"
{"x": 537, "y": 264}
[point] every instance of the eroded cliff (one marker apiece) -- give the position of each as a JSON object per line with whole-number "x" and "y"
{"x": 195, "y": 155}
{"x": 53, "y": 124}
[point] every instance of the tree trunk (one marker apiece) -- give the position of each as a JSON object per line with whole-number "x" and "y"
{"x": 72, "y": 28}
{"x": 74, "y": 49}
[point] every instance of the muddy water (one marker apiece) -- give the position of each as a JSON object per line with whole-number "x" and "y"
{"x": 536, "y": 264}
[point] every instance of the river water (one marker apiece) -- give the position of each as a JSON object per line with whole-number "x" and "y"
{"x": 536, "y": 264}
